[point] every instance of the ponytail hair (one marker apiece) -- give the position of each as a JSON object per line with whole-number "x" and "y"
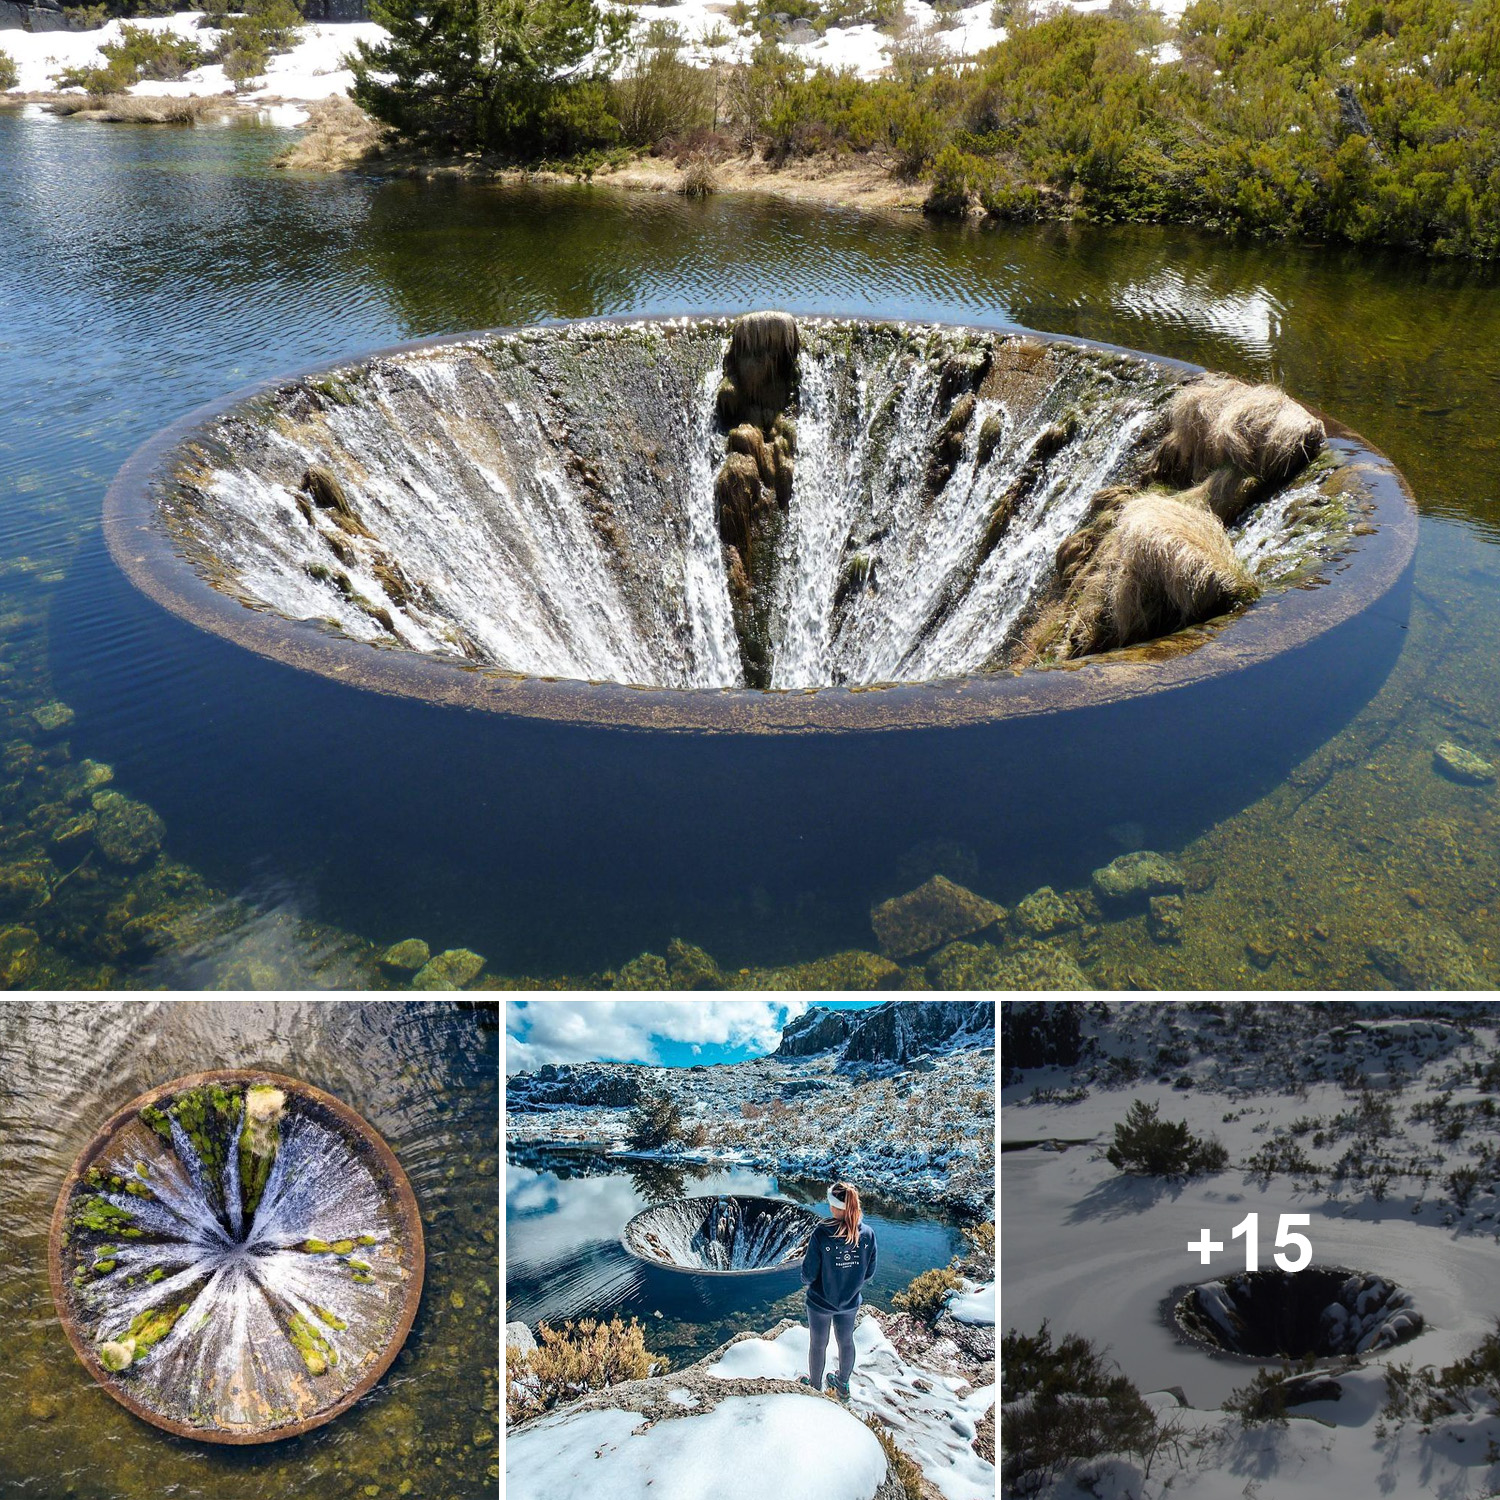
{"x": 843, "y": 1198}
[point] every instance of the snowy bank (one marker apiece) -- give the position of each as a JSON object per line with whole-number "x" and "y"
{"x": 933, "y": 1416}
{"x": 313, "y": 69}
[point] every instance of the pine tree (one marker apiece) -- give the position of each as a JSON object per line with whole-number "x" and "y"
{"x": 516, "y": 77}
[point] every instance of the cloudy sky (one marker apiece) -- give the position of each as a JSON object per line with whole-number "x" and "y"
{"x": 673, "y": 1032}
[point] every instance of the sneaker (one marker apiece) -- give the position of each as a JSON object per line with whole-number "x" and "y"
{"x": 840, "y": 1391}
{"x": 803, "y": 1380}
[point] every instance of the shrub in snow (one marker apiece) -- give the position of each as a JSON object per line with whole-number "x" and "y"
{"x": 1270, "y": 1392}
{"x": 1060, "y": 1406}
{"x": 1470, "y": 1386}
{"x": 926, "y": 1295}
{"x": 657, "y": 1122}
{"x": 897, "y": 1462}
{"x": 1461, "y": 1184}
{"x": 590, "y": 1356}
{"x": 1148, "y": 1146}
{"x": 9, "y": 76}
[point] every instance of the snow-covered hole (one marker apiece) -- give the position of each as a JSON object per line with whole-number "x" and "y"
{"x": 721, "y": 1235}
{"x": 237, "y": 1257}
{"x": 1322, "y": 1311}
{"x": 543, "y": 502}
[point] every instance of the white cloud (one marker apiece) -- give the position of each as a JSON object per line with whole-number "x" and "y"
{"x": 560, "y": 1031}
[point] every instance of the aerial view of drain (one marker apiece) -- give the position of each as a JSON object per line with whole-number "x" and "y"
{"x": 236, "y": 1257}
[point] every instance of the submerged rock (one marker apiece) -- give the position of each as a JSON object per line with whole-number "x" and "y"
{"x": 1427, "y": 958}
{"x": 648, "y": 971}
{"x": 127, "y": 832}
{"x": 690, "y": 968}
{"x": 407, "y": 956}
{"x": 53, "y": 716}
{"x": 18, "y": 956}
{"x": 449, "y": 970}
{"x": 1134, "y": 878}
{"x": 1164, "y": 918}
{"x": 1461, "y": 765}
{"x": 1044, "y": 913}
{"x": 935, "y": 913}
{"x": 982, "y": 966}
{"x": 853, "y": 969}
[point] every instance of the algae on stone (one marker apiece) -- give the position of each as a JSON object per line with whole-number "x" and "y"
{"x": 935, "y": 913}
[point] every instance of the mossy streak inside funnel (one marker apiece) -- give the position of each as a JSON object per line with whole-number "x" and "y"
{"x": 237, "y": 1256}
{"x": 721, "y": 1235}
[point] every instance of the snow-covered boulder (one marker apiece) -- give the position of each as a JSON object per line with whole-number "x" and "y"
{"x": 792, "y": 1447}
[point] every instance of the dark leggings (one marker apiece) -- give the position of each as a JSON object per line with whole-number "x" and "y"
{"x": 818, "y": 1324}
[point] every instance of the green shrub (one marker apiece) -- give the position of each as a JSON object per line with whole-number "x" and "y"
{"x": 1060, "y": 1406}
{"x": 1264, "y": 1398}
{"x": 252, "y": 36}
{"x": 926, "y": 1294}
{"x": 9, "y": 76}
{"x": 1147, "y": 1146}
{"x": 660, "y": 94}
{"x": 655, "y": 1122}
{"x": 588, "y": 1356}
{"x": 139, "y": 55}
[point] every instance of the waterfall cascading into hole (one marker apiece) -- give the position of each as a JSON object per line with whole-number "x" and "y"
{"x": 233, "y": 1258}
{"x": 552, "y": 502}
{"x": 721, "y": 1234}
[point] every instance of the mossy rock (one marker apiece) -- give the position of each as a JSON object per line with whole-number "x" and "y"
{"x": 937, "y": 912}
{"x": 1044, "y": 913}
{"x": 86, "y": 778}
{"x": 691, "y": 968}
{"x": 127, "y": 832}
{"x": 25, "y": 884}
{"x": 53, "y": 717}
{"x": 1461, "y": 765}
{"x": 450, "y": 970}
{"x": 407, "y": 956}
{"x": 1133, "y": 879}
{"x": 853, "y": 969}
{"x": 18, "y": 956}
{"x": 982, "y": 966}
{"x": 647, "y": 972}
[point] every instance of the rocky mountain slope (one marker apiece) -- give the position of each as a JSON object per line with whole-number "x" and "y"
{"x": 899, "y": 1098}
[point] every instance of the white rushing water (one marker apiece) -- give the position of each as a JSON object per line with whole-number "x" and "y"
{"x": 544, "y": 502}
{"x": 315, "y": 1267}
{"x": 724, "y": 1234}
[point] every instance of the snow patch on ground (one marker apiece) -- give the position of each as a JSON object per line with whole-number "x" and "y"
{"x": 795, "y": 1447}
{"x": 977, "y": 1306}
{"x": 313, "y": 69}
{"x": 932, "y": 1416}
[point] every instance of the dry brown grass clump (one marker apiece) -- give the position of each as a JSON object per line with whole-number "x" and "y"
{"x": 698, "y": 178}
{"x": 1163, "y": 564}
{"x": 591, "y": 1356}
{"x": 338, "y": 135}
{"x": 140, "y": 109}
{"x": 1216, "y": 420}
{"x": 897, "y": 1462}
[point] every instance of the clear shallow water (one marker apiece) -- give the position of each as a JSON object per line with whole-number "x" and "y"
{"x": 148, "y": 270}
{"x": 565, "y": 1209}
{"x": 424, "y": 1076}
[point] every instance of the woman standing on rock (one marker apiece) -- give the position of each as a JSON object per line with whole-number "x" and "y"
{"x": 840, "y": 1259}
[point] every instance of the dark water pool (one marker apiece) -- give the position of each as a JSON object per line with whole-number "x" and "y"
{"x": 150, "y": 270}
{"x": 425, "y": 1076}
{"x": 565, "y": 1208}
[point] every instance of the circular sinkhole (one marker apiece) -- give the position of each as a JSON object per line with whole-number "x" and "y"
{"x": 721, "y": 1235}
{"x": 1323, "y": 1311}
{"x": 236, "y": 1257}
{"x": 752, "y": 523}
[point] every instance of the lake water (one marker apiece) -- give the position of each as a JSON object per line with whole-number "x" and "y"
{"x": 565, "y": 1208}
{"x": 425, "y": 1077}
{"x": 149, "y": 270}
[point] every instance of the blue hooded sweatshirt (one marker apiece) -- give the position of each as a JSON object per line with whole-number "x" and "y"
{"x": 834, "y": 1271}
